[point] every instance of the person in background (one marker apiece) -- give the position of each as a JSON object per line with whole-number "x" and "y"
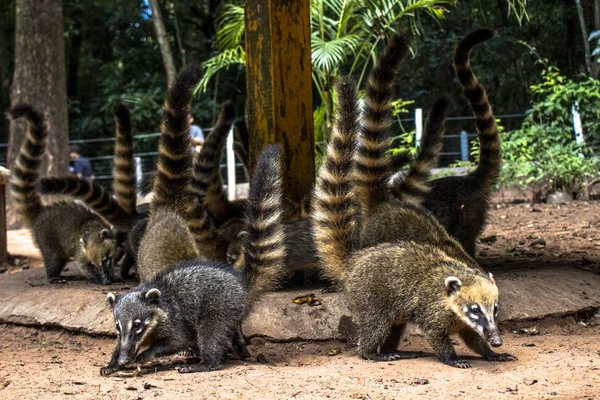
{"x": 196, "y": 134}
{"x": 80, "y": 165}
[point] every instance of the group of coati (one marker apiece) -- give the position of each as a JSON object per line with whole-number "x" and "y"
{"x": 399, "y": 245}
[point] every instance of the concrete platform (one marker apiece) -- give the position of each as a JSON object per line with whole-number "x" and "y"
{"x": 526, "y": 295}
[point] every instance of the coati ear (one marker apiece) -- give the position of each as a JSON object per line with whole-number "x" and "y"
{"x": 105, "y": 234}
{"x": 152, "y": 295}
{"x": 453, "y": 285}
{"x": 242, "y": 235}
{"x": 492, "y": 277}
{"x": 111, "y": 299}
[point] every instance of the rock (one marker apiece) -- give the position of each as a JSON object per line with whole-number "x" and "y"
{"x": 488, "y": 239}
{"x": 559, "y": 198}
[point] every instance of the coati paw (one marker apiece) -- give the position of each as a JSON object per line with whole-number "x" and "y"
{"x": 405, "y": 355}
{"x": 501, "y": 357}
{"x": 188, "y": 353}
{"x": 106, "y": 371}
{"x": 458, "y": 363}
{"x": 188, "y": 369}
{"x": 57, "y": 281}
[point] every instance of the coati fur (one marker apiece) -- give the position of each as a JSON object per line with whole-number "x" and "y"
{"x": 118, "y": 209}
{"x": 63, "y": 229}
{"x": 168, "y": 239}
{"x": 461, "y": 203}
{"x": 393, "y": 283}
{"x": 200, "y": 305}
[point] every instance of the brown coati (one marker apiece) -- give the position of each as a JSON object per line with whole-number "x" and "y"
{"x": 63, "y": 229}
{"x": 391, "y": 284}
{"x": 200, "y": 305}
{"x": 168, "y": 239}
{"x": 118, "y": 209}
{"x": 461, "y": 203}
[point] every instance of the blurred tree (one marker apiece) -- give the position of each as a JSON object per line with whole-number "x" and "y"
{"x": 40, "y": 78}
{"x": 163, "y": 40}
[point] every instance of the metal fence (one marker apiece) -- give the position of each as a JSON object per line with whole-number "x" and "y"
{"x": 456, "y": 145}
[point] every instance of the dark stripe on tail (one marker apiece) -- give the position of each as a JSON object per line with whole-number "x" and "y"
{"x": 490, "y": 157}
{"x": 172, "y": 182}
{"x": 124, "y": 164}
{"x": 373, "y": 164}
{"x": 264, "y": 246}
{"x": 333, "y": 203}
{"x": 413, "y": 186}
{"x": 26, "y": 171}
{"x": 93, "y": 194}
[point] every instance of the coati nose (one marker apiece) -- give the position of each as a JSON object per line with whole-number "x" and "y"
{"x": 123, "y": 359}
{"x": 495, "y": 341}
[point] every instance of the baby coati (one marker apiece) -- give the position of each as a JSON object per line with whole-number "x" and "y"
{"x": 64, "y": 229}
{"x": 168, "y": 239}
{"x": 461, "y": 203}
{"x": 120, "y": 209}
{"x": 391, "y": 284}
{"x": 199, "y": 305}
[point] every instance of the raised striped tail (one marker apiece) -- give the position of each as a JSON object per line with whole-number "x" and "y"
{"x": 264, "y": 246}
{"x": 26, "y": 171}
{"x": 91, "y": 193}
{"x": 172, "y": 181}
{"x": 124, "y": 181}
{"x": 373, "y": 162}
{"x": 490, "y": 157}
{"x": 413, "y": 187}
{"x": 207, "y": 186}
{"x": 333, "y": 204}
{"x": 241, "y": 144}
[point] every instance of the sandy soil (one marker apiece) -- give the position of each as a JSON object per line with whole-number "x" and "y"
{"x": 562, "y": 362}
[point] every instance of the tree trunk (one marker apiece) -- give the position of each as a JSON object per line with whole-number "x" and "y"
{"x": 74, "y": 54}
{"x": 586, "y": 42}
{"x": 40, "y": 79}
{"x": 163, "y": 40}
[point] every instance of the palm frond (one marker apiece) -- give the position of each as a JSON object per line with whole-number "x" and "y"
{"x": 329, "y": 54}
{"x": 221, "y": 61}
{"x": 230, "y": 27}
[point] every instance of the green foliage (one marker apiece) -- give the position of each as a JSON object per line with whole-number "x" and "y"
{"x": 544, "y": 148}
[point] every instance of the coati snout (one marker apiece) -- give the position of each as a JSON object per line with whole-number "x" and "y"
{"x": 100, "y": 248}
{"x": 135, "y": 316}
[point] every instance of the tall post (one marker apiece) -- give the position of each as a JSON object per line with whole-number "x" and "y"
{"x": 279, "y": 87}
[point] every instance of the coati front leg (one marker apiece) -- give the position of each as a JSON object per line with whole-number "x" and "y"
{"x": 54, "y": 264}
{"x": 480, "y": 346}
{"x": 125, "y": 264}
{"x": 439, "y": 340}
{"x": 113, "y": 365}
{"x": 239, "y": 344}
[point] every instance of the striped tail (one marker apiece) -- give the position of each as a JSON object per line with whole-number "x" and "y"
{"x": 124, "y": 181}
{"x": 26, "y": 171}
{"x": 205, "y": 177}
{"x": 413, "y": 186}
{"x": 490, "y": 158}
{"x": 91, "y": 193}
{"x": 373, "y": 162}
{"x": 241, "y": 144}
{"x": 264, "y": 245}
{"x": 172, "y": 182}
{"x": 333, "y": 203}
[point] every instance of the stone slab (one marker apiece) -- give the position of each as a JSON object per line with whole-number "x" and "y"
{"x": 525, "y": 295}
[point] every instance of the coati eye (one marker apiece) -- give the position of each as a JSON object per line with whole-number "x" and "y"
{"x": 105, "y": 260}
{"x": 118, "y": 327}
{"x": 137, "y": 326}
{"x": 475, "y": 310}
{"x": 495, "y": 309}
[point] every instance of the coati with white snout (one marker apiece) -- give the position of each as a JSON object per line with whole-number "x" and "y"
{"x": 393, "y": 283}
{"x": 63, "y": 229}
{"x": 118, "y": 209}
{"x": 200, "y": 305}
{"x": 461, "y": 203}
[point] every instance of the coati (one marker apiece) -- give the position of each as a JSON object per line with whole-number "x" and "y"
{"x": 120, "y": 209}
{"x": 200, "y": 305}
{"x": 63, "y": 229}
{"x": 461, "y": 203}
{"x": 390, "y": 284}
{"x": 168, "y": 238}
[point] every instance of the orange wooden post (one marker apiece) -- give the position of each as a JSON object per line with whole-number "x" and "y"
{"x": 279, "y": 87}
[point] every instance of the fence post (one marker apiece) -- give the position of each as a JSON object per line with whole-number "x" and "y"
{"x": 464, "y": 146}
{"x": 577, "y": 127}
{"x": 231, "y": 187}
{"x": 418, "y": 126}
{"x": 138, "y": 170}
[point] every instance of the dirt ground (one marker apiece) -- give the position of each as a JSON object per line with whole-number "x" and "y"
{"x": 563, "y": 361}
{"x": 560, "y": 363}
